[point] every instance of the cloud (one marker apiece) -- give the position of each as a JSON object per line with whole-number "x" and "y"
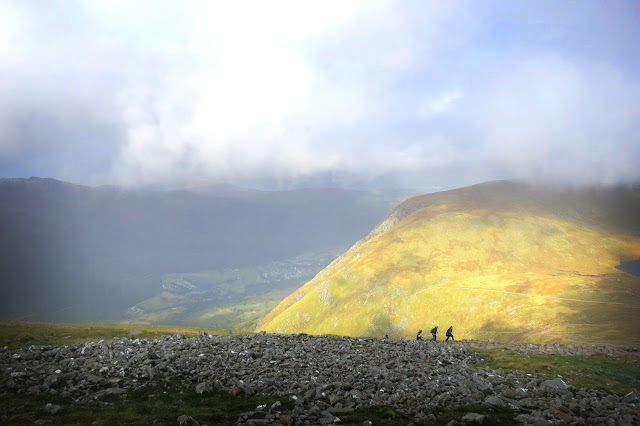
{"x": 439, "y": 104}
{"x": 357, "y": 92}
{"x": 554, "y": 119}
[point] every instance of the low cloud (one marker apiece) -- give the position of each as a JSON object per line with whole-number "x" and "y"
{"x": 356, "y": 93}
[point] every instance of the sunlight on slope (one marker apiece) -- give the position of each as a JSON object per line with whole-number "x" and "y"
{"x": 499, "y": 273}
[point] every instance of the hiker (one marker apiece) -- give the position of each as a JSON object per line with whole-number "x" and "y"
{"x": 419, "y": 336}
{"x": 450, "y": 334}
{"x": 434, "y": 331}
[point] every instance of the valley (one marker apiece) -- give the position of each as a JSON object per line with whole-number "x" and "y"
{"x": 235, "y": 298}
{"x": 77, "y": 253}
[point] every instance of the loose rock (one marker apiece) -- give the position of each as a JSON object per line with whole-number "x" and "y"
{"x": 52, "y": 409}
{"x": 324, "y": 376}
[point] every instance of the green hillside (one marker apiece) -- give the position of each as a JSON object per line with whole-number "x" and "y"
{"x": 501, "y": 261}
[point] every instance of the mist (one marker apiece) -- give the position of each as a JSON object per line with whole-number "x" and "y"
{"x": 72, "y": 252}
{"x": 358, "y": 94}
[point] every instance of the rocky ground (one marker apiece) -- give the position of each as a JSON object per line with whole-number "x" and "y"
{"x": 326, "y": 376}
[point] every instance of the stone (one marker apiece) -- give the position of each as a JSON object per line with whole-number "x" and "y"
{"x": 52, "y": 409}
{"x": 185, "y": 420}
{"x": 473, "y": 418}
{"x": 235, "y": 391}
{"x": 115, "y": 391}
{"x": 33, "y": 390}
{"x": 53, "y": 381}
{"x": 276, "y": 406}
{"x": 286, "y": 419}
{"x": 554, "y": 385}
{"x": 203, "y": 388}
{"x": 631, "y": 397}
{"x": 494, "y": 401}
{"x": 329, "y": 375}
{"x": 533, "y": 420}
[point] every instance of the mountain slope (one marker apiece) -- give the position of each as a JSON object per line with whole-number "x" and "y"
{"x": 500, "y": 260}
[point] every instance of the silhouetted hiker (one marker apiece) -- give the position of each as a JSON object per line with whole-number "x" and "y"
{"x": 386, "y": 337}
{"x": 434, "y": 331}
{"x": 419, "y": 336}
{"x": 450, "y": 333}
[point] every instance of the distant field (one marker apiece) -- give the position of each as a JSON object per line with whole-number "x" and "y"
{"x": 231, "y": 298}
{"x": 24, "y": 333}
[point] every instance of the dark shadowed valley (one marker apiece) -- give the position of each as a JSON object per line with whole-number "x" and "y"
{"x": 78, "y": 253}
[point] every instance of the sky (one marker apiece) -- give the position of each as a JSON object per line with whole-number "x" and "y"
{"x": 283, "y": 94}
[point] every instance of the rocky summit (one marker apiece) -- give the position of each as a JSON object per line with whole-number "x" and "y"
{"x": 325, "y": 376}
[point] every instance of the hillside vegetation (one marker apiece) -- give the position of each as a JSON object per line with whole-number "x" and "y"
{"x": 501, "y": 261}
{"x": 22, "y": 334}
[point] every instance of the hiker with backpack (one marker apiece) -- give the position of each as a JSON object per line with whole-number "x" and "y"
{"x": 434, "y": 331}
{"x": 450, "y": 334}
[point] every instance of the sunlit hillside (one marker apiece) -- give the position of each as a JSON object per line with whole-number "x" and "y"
{"x": 501, "y": 261}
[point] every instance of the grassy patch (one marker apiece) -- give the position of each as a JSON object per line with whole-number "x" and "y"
{"x": 160, "y": 404}
{"x": 16, "y": 334}
{"x": 382, "y": 415}
{"x": 607, "y": 373}
{"x": 378, "y": 415}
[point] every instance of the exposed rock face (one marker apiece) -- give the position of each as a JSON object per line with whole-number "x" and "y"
{"x": 326, "y": 376}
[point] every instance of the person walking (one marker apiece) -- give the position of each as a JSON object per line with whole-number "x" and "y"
{"x": 434, "y": 331}
{"x": 419, "y": 336}
{"x": 450, "y": 334}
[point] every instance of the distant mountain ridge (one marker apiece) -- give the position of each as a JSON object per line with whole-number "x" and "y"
{"x": 500, "y": 260}
{"x": 95, "y": 251}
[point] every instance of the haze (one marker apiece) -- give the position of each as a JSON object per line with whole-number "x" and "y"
{"x": 284, "y": 94}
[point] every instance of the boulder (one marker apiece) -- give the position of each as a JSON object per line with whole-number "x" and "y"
{"x": 52, "y": 409}
{"x": 473, "y": 419}
{"x": 203, "y": 388}
{"x": 185, "y": 420}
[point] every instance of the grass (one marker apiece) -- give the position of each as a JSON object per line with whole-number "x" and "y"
{"x": 163, "y": 403}
{"x": 160, "y": 404}
{"x": 382, "y": 415}
{"x": 14, "y": 334}
{"x": 378, "y": 415}
{"x": 619, "y": 375}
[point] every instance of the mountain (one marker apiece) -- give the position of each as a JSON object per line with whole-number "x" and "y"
{"x": 72, "y": 252}
{"x": 502, "y": 261}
